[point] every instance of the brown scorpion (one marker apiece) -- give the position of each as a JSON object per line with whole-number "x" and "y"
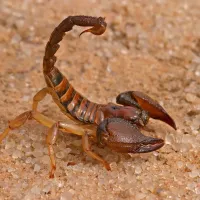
{"x": 113, "y": 125}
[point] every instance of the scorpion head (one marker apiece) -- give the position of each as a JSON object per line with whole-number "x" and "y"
{"x": 133, "y": 114}
{"x": 123, "y": 136}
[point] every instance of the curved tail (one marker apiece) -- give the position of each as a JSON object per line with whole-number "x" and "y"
{"x": 98, "y": 28}
{"x": 71, "y": 101}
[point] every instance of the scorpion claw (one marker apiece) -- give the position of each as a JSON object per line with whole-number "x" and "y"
{"x": 143, "y": 101}
{"x": 125, "y": 137}
{"x": 151, "y": 144}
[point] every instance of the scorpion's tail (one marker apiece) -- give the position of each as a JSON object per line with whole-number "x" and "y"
{"x": 73, "y": 102}
{"x": 98, "y": 28}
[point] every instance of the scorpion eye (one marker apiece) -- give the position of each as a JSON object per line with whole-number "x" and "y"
{"x": 114, "y": 107}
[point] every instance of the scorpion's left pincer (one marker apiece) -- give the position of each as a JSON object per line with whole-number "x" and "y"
{"x": 125, "y": 137}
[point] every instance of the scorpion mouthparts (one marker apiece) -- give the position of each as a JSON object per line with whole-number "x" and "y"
{"x": 151, "y": 144}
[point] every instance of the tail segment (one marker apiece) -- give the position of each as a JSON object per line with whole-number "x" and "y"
{"x": 98, "y": 28}
{"x": 73, "y": 102}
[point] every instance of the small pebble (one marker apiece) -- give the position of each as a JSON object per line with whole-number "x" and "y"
{"x": 16, "y": 39}
{"x": 36, "y": 168}
{"x": 28, "y": 160}
{"x": 194, "y": 173}
{"x": 60, "y": 154}
{"x": 47, "y": 189}
{"x": 190, "y": 97}
{"x": 140, "y": 196}
{"x": 179, "y": 164}
{"x": 37, "y": 153}
{"x": 10, "y": 144}
{"x": 25, "y": 98}
{"x": 45, "y": 159}
{"x": 66, "y": 196}
{"x": 138, "y": 170}
{"x": 17, "y": 154}
{"x": 169, "y": 139}
{"x": 36, "y": 190}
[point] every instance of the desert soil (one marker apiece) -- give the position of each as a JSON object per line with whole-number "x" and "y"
{"x": 151, "y": 46}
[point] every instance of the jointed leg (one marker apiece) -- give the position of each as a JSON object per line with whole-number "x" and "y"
{"x": 52, "y": 135}
{"x": 68, "y": 127}
{"x": 51, "y": 139}
{"x": 87, "y": 149}
{"x": 72, "y": 128}
{"x": 38, "y": 97}
{"x": 52, "y": 132}
{"x": 16, "y": 123}
{"x": 22, "y": 118}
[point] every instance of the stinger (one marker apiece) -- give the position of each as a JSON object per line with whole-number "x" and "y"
{"x": 97, "y": 29}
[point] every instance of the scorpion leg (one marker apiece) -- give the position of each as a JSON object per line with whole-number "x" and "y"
{"x": 144, "y": 102}
{"x": 87, "y": 149}
{"x": 16, "y": 123}
{"x": 69, "y": 127}
{"x": 39, "y": 97}
{"x": 51, "y": 139}
{"x": 22, "y": 118}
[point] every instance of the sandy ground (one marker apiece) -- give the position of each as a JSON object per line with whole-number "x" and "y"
{"x": 152, "y": 46}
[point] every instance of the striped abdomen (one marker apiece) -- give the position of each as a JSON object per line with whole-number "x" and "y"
{"x": 74, "y": 103}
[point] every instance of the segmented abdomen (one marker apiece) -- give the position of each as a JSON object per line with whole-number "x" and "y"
{"x": 74, "y": 103}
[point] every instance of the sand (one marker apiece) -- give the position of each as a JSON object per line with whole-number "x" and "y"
{"x": 150, "y": 46}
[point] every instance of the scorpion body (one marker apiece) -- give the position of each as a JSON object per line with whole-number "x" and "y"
{"x": 70, "y": 101}
{"x": 113, "y": 125}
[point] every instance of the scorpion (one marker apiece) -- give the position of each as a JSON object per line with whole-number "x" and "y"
{"x": 116, "y": 126}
